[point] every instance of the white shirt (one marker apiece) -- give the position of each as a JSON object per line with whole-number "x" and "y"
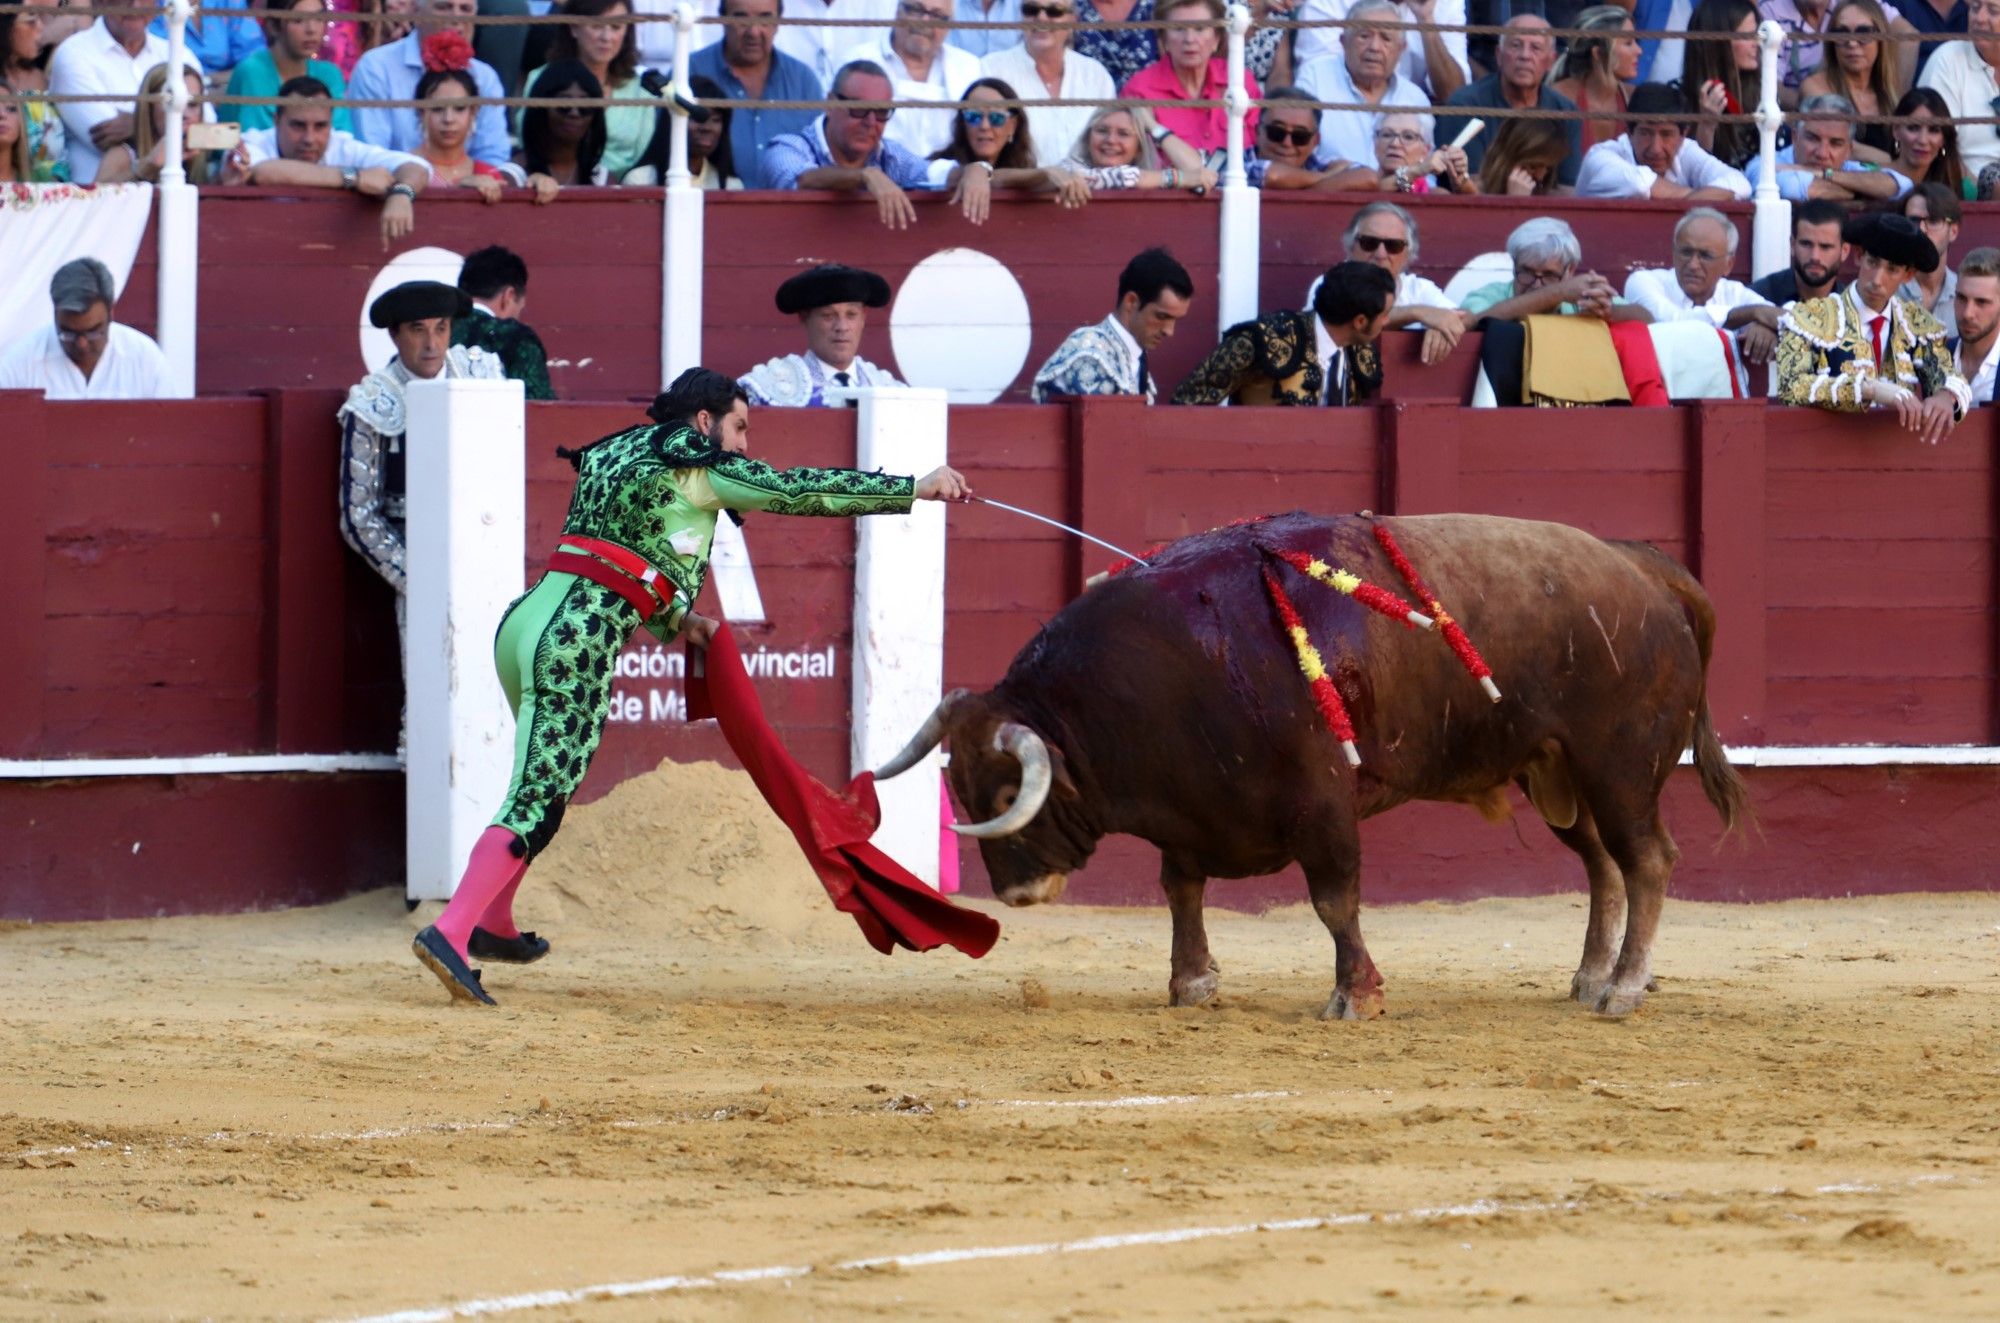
{"x": 1412, "y": 291}
{"x": 1660, "y": 293}
{"x": 952, "y": 71}
{"x": 1981, "y": 380}
{"x": 344, "y": 151}
{"x": 656, "y": 40}
{"x": 1056, "y": 129}
{"x": 1968, "y": 87}
{"x": 1317, "y": 43}
{"x": 1611, "y": 171}
{"x": 1333, "y": 364}
{"x": 1138, "y": 386}
{"x": 817, "y": 48}
{"x": 92, "y": 61}
{"x": 131, "y": 368}
{"x": 1350, "y": 134}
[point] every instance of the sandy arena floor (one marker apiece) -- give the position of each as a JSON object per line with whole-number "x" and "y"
{"x": 733, "y": 1106}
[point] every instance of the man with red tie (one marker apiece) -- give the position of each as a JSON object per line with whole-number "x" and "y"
{"x": 1866, "y": 345}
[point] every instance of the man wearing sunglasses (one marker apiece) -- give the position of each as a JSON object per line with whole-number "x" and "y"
{"x": 922, "y": 66}
{"x": 1962, "y": 72}
{"x": 1322, "y": 358}
{"x": 843, "y": 150}
{"x": 1288, "y": 150}
{"x": 1383, "y": 234}
{"x": 831, "y": 303}
{"x": 1109, "y": 358}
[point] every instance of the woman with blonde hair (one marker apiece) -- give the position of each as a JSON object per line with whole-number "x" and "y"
{"x": 1525, "y": 159}
{"x": 1859, "y": 64}
{"x": 1597, "y": 71}
{"x": 145, "y": 156}
{"x": 16, "y": 164}
{"x": 1125, "y": 147}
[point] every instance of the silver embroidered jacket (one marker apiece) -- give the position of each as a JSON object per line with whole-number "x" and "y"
{"x": 1099, "y": 359}
{"x": 801, "y": 381}
{"x": 373, "y": 421}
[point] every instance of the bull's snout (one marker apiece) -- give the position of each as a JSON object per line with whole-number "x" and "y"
{"x": 1035, "y": 891}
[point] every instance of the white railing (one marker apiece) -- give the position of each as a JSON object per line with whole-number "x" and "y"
{"x": 681, "y": 254}
{"x": 1236, "y": 274}
{"x": 180, "y": 226}
{"x": 1770, "y": 227}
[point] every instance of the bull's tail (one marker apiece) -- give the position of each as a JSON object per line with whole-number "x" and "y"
{"x": 1720, "y": 782}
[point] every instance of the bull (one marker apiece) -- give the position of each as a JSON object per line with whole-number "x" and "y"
{"x": 1166, "y": 703}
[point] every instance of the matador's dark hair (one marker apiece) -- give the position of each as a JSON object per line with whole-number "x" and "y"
{"x": 696, "y": 389}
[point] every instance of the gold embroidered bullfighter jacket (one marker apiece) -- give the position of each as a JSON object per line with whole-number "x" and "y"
{"x": 1826, "y": 357}
{"x": 1275, "y": 360}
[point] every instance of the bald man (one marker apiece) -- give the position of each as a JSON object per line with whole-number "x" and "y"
{"x": 1522, "y": 59}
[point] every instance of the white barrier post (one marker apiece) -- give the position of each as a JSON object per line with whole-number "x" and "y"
{"x": 180, "y": 232}
{"x": 1236, "y": 276}
{"x": 681, "y": 257}
{"x": 465, "y": 478}
{"x": 899, "y": 619}
{"x": 1770, "y": 228}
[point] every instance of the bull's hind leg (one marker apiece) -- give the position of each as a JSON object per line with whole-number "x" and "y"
{"x": 1607, "y": 909}
{"x": 1193, "y": 980}
{"x": 1335, "y": 885}
{"x": 1645, "y": 855}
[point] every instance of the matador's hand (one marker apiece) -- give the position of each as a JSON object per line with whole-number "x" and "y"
{"x": 943, "y": 483}
{"x": 699, "y": 629}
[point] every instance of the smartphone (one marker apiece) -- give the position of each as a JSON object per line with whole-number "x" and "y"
{"x": 222, "y": 137}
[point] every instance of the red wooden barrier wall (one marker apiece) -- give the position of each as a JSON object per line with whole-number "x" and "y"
{"x": 178, "y": 587}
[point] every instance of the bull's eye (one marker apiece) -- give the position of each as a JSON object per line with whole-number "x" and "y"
{"x": 1005, "y": 800}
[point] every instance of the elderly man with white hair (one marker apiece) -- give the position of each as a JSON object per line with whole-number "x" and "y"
{"x": 1546, "y": 255}
{"x": 1383, "y": 234}
{"x": 1437, "y": 62}
{"x": 1697, "y": 290}
{"x": 1365, "y": 71}
{"x": 83, "y": 354}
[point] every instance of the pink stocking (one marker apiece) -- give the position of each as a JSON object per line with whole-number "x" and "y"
{"x": 499, "y": 916}
{"x": 490, "y": 877}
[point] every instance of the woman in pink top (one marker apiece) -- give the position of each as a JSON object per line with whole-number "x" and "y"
{"x": 1190, "y": 70}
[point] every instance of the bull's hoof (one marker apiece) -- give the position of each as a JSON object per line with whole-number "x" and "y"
{"x": 1615, "y": 1001}
{"x": 1352, "y": 1005}
{"x": 1193, "y": 991}
{"x": 1586, "y": 987}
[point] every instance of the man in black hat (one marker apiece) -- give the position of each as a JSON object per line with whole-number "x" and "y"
{"x": 832, "y": 303}
{"x": 418, "y": 316}
{"x": 1867, "y": 345}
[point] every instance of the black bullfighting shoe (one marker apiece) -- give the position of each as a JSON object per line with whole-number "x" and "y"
{"x": 525, "y": 949}
{"x": 460, "y": 979}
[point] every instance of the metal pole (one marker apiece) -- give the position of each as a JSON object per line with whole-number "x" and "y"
{"x": 681, "y": 264}
{"x": 1236, "y": 268}
{"x": 1770, "y": 239}
{"x": 180, "y": 237}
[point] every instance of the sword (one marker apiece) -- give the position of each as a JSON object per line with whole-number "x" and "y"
{"x": 1056, "y": 523}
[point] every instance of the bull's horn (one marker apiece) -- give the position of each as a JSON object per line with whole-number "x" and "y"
{"x": 1033, "y": 755}
{"x": 933, "y": 730}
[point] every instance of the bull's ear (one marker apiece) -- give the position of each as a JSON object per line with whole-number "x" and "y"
{"x": 1059, "y": 773}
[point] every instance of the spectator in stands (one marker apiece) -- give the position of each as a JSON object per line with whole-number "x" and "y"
{"x": 1976, "y": 349}
{"x": 1189, "y": 69}
{"x": 1860, "y": 66}
{"x": 1866, "y": 346}
{"x": 1656, "y": 158}
{"x": 1288, "y": 149}
{"x": 1371, "y": 47}
{"x": 819, "y": 48}
{"x": 448, "y": 128}
{"x": 219, "y": 36}
{"x": 748, "y": 66}
{"x": 1597, "y": 72}
{"x": 1124, "y": 147}
{"x": 1820, "y": 162}
{"x": 1323, "y": 357}
{"x": 108, "y": 58}
{"x": 1962, "y": 73}
{"x": 992, "y": 148}
{"x": 565, "y": 146}
{"x": 1043, "y": 66}
{"x": 377, "y": 35}
{"x": 294, "y": 37}
{"x": 1721, "y": 78}
{"x": 496, "y": 280}
{"x": 1800, "y": 59}
{"x": 983, "y": 42}
{"x": 16, "y": 164}
{"x": 1522, "y": 59}
{"x": 304, "y": 150}
{"x": 24, "y": 63}
{"x": 1926, "y": 150}
{"x": 1436, "y": 62}
{"x": 1527, "y": 159}
{"x": 711, "y": 145}
{"x": 1936, "y": 211}
{"x": 922, "y": 66}
{"x": 83, "y": 354}
{"x": 831, "y": 303}
{"x": 843, "y": 150}
{"x": 145, "y": 156}
{"x": 1383, "y": 234}
{"x": 611, "y": 52}
{"x": 391, "y": 73}
{"x": 1546, "y": 255}
{"x": 1698, "y": 290}
{"x": 1408, "y": 163}
{"x": 1109, "y": 358}
{"x": 1818, "y": 254}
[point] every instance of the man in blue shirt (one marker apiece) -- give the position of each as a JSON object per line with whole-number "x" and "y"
{"x": 220, "y": 35}
{"x": 843, "y": 150}
{"x": 1819, "y": 163}
{"x": 391, "y": 73}
{"x": 748, "y": 65}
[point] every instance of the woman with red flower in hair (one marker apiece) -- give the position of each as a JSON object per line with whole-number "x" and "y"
{"x": 447, "y": 121}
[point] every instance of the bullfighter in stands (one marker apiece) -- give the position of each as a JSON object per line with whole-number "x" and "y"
{"x": 634, "y": 551}
{"x": 832, "y": 302}
{"x": 1868, "y": 345}
{"x": 1327, "y": 356}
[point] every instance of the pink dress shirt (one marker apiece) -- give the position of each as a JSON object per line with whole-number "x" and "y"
{"x": 1206, "y": 130}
